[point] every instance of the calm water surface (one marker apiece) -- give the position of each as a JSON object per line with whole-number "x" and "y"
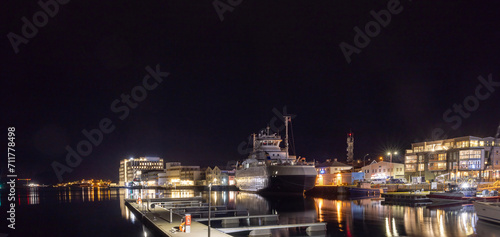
{"x": 101, "y": 212}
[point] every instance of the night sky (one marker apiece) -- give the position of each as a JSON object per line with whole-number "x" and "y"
{"x": 229, "y": 77}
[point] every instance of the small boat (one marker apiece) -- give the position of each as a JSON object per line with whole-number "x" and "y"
{"x": 488, "y": 211}
{"x": 487, "y": 199}
{"x": 455, "y": 193}
{"x": 363, "y": 189}
{"x": 488, "y": 196}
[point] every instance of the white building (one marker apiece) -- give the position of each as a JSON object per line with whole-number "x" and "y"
{"x": 131, "y": 169}
{"x": 461, "y": 157}
{"x": 177, "y": 174}
{"x": 333, "y": 172}
{"x": 332, "y": 167}
{"x": 162, "y": 178}
{"x": 151, "y": 177}
{"x": 383, "y": 170}
{"x": 213, "y": 176}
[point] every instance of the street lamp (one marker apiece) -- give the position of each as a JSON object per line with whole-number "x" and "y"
{"x": 209, "y": 205}
{"x": 364, "y": 159}
{"x": 390, "y": 154}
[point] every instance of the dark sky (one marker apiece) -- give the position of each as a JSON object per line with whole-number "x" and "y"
{"x": 226, "y": 77}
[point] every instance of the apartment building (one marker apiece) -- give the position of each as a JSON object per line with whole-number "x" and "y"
{"x": 466, "y": 157}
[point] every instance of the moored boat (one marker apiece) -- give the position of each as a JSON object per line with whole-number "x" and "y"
{"x": 488, "y": 211}
{"x": 455, "y": 193}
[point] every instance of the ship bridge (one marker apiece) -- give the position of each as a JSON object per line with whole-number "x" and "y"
{"x": 267, "y": 146}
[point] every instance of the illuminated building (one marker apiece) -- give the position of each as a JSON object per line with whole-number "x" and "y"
{"x": 177, "y": 174}
{"x": 383, "y": 170}
{"x": 131, "y": 169}
{"x": 438, "y": 159}
{"x": 329, "y": 172}
{"x": 216, "y": 176}
{"x": 332, "y": 167}
{"x": 150, "y": 177}
{"x": 162, "y": 178}
{"x": 213, "y": 175}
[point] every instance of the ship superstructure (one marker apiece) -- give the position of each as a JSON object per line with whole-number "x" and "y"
{"x": 270, "y": 168}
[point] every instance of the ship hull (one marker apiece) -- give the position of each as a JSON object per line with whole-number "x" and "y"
{"x": 449, "y": 197}
{"x": 276, "y": 179}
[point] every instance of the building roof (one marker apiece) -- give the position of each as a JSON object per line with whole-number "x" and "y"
{"x": 462, "y": 138}
{"x": 382, "y": 163}
{"x": 333, "y": 163}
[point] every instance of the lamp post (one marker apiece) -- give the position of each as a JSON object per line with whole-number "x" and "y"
{"x": 390, "y": 154}
{"x": 364, "y": 159}
{"x": 209, "y": 205}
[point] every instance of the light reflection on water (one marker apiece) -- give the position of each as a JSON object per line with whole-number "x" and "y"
{"x": 360, "y": 217}
{"x": 365, "y": 217}
{"x": 33, "y": 195}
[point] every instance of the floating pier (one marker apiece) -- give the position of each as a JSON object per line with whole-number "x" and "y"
{"x": 331, "y": 191}
{"x": 406, "y": 199}
{"x": 166, "y": 222}
{"x": 266, "y": 230}
{"x": 164, "y": 216}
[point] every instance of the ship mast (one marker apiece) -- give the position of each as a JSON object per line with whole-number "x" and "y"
{"x": 286, "y": 134}
{"x": 253, "y": 137}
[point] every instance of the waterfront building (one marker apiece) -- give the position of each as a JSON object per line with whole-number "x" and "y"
{"x": 162, "y": 179}
{"x": 332, "y": 167}
{"x": 131, "y": 169}
{"x": 172, "y": 174}
{"x": 331, "y": 172}
{"x": 383, "y": 170}
{"x": 150, "y": 177}
{"x": 213, "y": 175}
{"x": 345, "y": 177}
{"x": 216, "y": 176}
{"x": 177, "y": 174}
{"x": 227, "y": 177}
{"x": 448, "y": 159}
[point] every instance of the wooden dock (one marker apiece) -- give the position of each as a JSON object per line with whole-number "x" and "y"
{"x": 158, "y": 219}
{"x": 165, "y": 216}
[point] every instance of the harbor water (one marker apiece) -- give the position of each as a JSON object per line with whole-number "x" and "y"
{"x": 101, "y": 212}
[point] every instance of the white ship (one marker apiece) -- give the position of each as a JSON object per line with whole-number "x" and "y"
{"x": 270, "y": 169}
